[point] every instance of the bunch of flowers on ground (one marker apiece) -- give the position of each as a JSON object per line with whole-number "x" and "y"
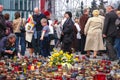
{"x": 60, "y": 57}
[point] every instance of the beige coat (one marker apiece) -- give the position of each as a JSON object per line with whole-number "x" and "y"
{"x": 17, "y": 23}
{"x": 93, "y": 32}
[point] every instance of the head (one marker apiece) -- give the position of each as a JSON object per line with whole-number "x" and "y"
{"x": 44, "y": 22}
{"x": 12, "y": 38}
{"x": 101, "y": 12}
{"x": 47, "y": 14}
{"x": 86, "y": 11}
{"x": 17, "y": 15}
{"x": 1, "y": 8}
{"x": 95, "y": 13}
{"x": 76, "y": 20}
{"x": 6, "y": 16}
{"x": 36, "y": 10}
{"x": 118, "y": 13}
{"x": 109, "y": 8}
{"x": 68, "y": 14}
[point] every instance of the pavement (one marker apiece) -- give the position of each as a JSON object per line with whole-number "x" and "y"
{"x": 104, "y": 56}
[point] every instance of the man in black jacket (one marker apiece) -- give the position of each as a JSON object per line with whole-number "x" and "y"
{"x": 2, "y": 23}
{"x": 109, "y": 31}
{"x": 37, "y": 29}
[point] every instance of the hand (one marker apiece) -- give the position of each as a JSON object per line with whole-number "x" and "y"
{"x": 41, "y": 38}
{"x": 104, "y": 36}
{"x": 9, "y": 51}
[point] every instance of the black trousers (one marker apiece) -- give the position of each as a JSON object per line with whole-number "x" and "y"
{"x": 66, "y": 47}
{"x": 83, "y": 40}
{"x": 110, "y": 46}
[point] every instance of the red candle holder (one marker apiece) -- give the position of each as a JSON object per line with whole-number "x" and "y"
{"x": 59, "y": 66}
{"x": 100, "y": 76}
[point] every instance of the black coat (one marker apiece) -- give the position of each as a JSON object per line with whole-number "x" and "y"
{"x": 68, "y": 34}
{"x": 2, "y": 25}
{"x": 109, "y": 24}
{"x": 37, "y": 19}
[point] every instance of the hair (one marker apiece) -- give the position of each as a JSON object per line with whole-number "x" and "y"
{"x": 11, "y": 36}
{"x": 43, "y": 20}
{"x": 69, "y": 14}
{"x": 17, "y": 15}
{"x": 110, "y": 6}
{"x": 6, "y": 16}
{"x": 95, "y": 12}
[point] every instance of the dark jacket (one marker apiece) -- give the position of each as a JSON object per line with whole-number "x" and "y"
{"x": 68, "y": 31}
{"x": 109, "y": 24}
{"x": 82, "y": 22}
{"x": 4, "y": 45}
{"x": 37, "y": 19}
{"x": 2, "y": 25}
{"x": 9, "y": 27}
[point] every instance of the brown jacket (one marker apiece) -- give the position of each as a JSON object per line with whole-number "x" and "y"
{"x": 82, "y": 21}
{"x": 17, "y": 23}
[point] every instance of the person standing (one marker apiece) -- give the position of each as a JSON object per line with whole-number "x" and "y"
{"x": 109, "y": 31}
{"x": 9, "y": 28}
{"x": 19, "y": 23}
{"x": 37, "y": 30}
{"x": 82, "y": 22}
{"x": 2, "y": 23}
{"x": 67, "y": 33}
{"x": 45, "y": 41}
{"x": 93, "y": 32}
{"x": 29, "y": 34}
{"x": 51, "y": 27}
{"x": 117, "y": 39}
{"x": 78, "y": 43}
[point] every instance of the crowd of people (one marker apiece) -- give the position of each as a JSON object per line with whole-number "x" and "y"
{"x": 40, "y": 34}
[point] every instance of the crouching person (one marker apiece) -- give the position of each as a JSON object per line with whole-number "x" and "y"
{"x": 45, "y": 42}
{"x": 7, "y": 46}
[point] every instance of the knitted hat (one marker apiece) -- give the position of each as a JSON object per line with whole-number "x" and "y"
{"x": 47, "y": 13}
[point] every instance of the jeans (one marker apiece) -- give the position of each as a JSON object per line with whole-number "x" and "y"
{"x": 36, "y": 43}
{"x": 20, "y": 37}
{"x": 45, "y": 47}
{"x": 117, "y": 47}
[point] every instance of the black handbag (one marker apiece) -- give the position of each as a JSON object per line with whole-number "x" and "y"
{"x": 22, "y": 28}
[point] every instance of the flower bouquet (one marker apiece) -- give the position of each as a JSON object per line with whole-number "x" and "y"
{"x": 61, "y": 58}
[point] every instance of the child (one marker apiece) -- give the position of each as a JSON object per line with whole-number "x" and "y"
{"x": 29, "y": 34}
{"x": 45, "y": 42}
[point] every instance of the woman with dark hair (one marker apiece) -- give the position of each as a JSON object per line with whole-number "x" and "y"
{"x": 8, "y": 23}
{"x": 67, "y": 35}
{"x": 18, "y": 24}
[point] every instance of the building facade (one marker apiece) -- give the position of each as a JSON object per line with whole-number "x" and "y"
{"x": 25, "y": 7}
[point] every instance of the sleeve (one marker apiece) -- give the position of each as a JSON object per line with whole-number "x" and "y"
{"x": 2, "y": 44}
{"x": 45, "y": 28}
{"x": 106, "y": 22}
{"x": 68, "y": 28}
{"x": 87, "y": 26}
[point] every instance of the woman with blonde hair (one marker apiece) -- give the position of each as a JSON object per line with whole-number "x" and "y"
{"x": 93, "y": 32}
